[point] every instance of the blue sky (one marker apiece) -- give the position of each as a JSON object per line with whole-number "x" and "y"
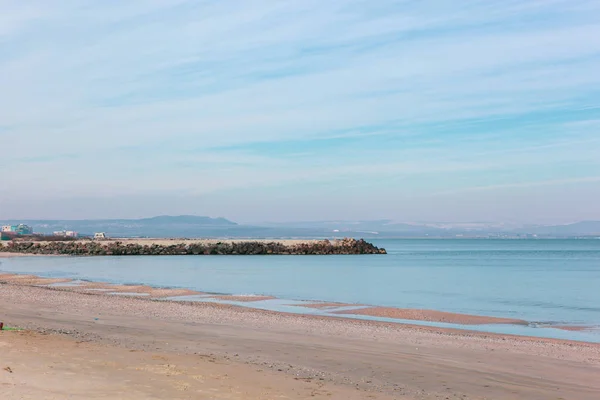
{"x": 301, "y": 110}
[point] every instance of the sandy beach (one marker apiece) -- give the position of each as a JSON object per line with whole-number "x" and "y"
{"x": 91, "y": 345}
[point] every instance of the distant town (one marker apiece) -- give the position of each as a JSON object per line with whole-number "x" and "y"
{"x": 190, "y": 226}
{"x": 11, "y": 232}
{"x": 20, "y": 229}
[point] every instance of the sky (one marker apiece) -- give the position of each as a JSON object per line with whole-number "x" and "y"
{"x": 290, "y": 110}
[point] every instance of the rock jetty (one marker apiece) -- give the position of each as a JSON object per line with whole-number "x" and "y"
{"x": 123, "y": 248}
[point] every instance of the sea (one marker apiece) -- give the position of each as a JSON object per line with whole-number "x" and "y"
{"x": 548, "y": 283}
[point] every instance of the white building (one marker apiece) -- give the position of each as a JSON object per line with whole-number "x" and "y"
{"x": 72, "y": 234}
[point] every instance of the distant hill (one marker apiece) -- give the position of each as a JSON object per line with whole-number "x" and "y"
{"x": 368, "y": 226}
{"x": 583, "y": 228}
{"x": 192, "y": 226}
{"x": 391, "y": 229}
{"x": 186, "y": 219}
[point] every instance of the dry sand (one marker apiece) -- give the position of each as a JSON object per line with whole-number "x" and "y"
{"x": 132, "y": 348}
{"x": 36, "y": 366}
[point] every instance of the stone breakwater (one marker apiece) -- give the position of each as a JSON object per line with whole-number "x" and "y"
{"x": 122, "y": 248}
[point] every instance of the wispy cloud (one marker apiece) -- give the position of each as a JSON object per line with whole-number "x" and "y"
{"x": 531, "y": 184}
{"x": 198, "y": 97}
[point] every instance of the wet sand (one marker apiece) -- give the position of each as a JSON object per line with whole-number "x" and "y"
{"x": 142, "y": 290}
{"x": 328, "y": 305}
{"x": 138, "y": 289}
{"x": 573, "y": 328}
{"x": 158, "y": 293}
{"x": 432, "y": 316}
{"x": 241, "y": 353}
{"x": 244, "y": 299}
{"x": 31, "y": 279}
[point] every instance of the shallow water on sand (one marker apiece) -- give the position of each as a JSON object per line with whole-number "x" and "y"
{"x": 542, "y": 281}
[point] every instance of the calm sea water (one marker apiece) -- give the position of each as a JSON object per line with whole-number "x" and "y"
{"x": 543, "y": 281}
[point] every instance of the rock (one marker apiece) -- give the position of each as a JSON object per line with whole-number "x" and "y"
{"x": 92, "y": 248}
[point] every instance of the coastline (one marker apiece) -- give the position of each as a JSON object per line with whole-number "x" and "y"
{"x": 188, "y": 295}
{"x": 444, "y": 320}
{"x": 379, "y": 359}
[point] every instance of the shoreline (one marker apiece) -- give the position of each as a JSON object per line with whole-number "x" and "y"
{"x": 415, "y": 318}
{"x": 101, "y": 296}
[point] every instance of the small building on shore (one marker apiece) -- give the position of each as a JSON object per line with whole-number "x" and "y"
{"x": 99, "y": 235}
{"x": 20, "y": 229}
{"x": 70, "y": 234}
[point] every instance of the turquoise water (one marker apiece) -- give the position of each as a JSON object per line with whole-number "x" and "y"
{"x": 542, "y": 281}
